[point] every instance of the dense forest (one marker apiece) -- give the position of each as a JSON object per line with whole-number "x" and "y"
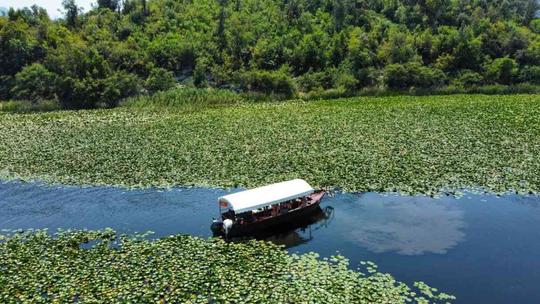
{"x": 282, "y": 47}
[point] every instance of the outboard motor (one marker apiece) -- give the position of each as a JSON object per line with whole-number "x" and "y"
{"x": 227, "y": 225}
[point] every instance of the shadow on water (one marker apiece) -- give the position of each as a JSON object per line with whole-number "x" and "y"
{"x": 481, "y": 248}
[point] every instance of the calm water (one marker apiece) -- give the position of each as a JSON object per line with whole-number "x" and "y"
{"x": 481, "y": 248}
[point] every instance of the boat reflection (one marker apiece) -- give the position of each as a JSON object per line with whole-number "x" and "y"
{"x": 294, "y": 234}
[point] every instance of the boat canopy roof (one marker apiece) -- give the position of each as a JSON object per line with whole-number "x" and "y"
{"x": 265, "y": 196}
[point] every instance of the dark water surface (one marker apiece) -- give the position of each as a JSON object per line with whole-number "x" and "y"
{"x": 481, "y": 248}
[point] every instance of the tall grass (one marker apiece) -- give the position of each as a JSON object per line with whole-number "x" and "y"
{"x": 25, "y": 106}
{"x": 523, "y": 88}
{"x": 185, "y": 98}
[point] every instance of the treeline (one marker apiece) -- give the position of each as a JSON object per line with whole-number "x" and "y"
{"x": 281, "y": 47}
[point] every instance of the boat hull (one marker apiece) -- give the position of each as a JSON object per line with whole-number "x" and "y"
{"x": 289, "y": 218}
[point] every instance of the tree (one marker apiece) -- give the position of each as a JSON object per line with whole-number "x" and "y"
{"x": 398, "y": 48}
{"x": 18, "y": 47}
{"x": 159, "y": 80}
{"x": 220, "y": 32}
{"x": 113, "y": 5}
{"x": 119, "y": 86}
{"x": 530, "y": 74}
{"x": 502, "y": 70}
{"x": 34, "y": 83}
{"x": 326, "y": 43}
{"x": 72, "y": 13}
{"x": 173, "y": 53}
{"x": 531, "y": 9}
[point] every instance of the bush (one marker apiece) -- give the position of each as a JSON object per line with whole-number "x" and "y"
{"x": 530, "y": 74}
{"x": 172, "y": 53}
{"x": 502, "y": 70}
{"x": 315, "y": 81}
{"x": 6, "y": 85}
{"x": 199, "y": 76}
{"x": 468, "y": 78}
{"x": 79, "y": 93}
{"x": 325, "y": 94}
{"x": 268, "y": 82}
{"x": 119, "y": 86}
{"x": 34, "y": 83}
{"x": 535, "y": 25}
{"x": 396, "y": 76}
{"x": 89, "y": 93}
{"x": 413, "y": 74}
{"x": 159, "y": 80}
{"x": 346, "y": 82}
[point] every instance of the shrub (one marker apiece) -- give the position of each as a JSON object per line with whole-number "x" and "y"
{"x": 413, "y": 74}
{"x": 6, "y": 85}
{"x": 468, "y": 78}
{"x": 119, "y": 86}
{"x": 346, "y": 82}
{"x": 530, "y": 74}
{"x": 34, "y": 83}
{"x": 268, "y": 82}
{"x": 315, "y": 81}
{"x": 535, "y": 25}
{"x": 502, "y": 70}
{"x": 159, "y": 80}
{"x": 172, "y": 53}
{"x": 79, "y": 93}
{"x": 199, "y": 76}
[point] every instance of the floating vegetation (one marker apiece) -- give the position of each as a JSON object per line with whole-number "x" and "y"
{"x": 408, "y": 144}
{"x": 41, "y": 268}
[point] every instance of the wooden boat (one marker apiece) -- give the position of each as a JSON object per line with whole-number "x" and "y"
{"x": 263, "y": 208}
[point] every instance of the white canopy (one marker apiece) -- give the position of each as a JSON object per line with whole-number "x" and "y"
{"x": 265, "y": 196}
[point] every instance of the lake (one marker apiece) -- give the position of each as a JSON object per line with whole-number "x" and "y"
{"x": 479, "y": 247}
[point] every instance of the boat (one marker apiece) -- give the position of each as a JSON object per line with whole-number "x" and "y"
{"x": 251, "y": 211}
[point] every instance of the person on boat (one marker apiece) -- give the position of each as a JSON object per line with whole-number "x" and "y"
{"x": 275, "y": 210}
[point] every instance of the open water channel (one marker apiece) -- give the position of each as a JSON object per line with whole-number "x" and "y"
{"x": 480, "y": 248}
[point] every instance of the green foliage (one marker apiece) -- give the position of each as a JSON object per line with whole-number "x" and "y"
{"x": 530, "y": 74}
{"x": 185, "y": 98}
{"x": 268, "y": 82}
{"x": 468, "y": 78}
{"x": 172, "y": 53}
{"x": 398, "y": 48}
{"x": 119, "y": 86}
{"x": 401, "y": 76}
{"x": 6, "y": 85}
{"x": 408, "y": 144}
{"x": 72, "y": 13}
{"x": 378, "y": 42}
{"x": 37, "y": 267}
{"x": 502, "y": 70}
{"x": 315, "y": 81}
{"x": 535, "y": 25}
{"x": 34, "y": 83}
{"x": 110, "y": 4}
{"x": 18, "y": 47}
{"x": 199, "y": 76}
{"x": 159, "y": 80}
{"x": 23, "y": 106}
{"x": 346, "y": 82}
